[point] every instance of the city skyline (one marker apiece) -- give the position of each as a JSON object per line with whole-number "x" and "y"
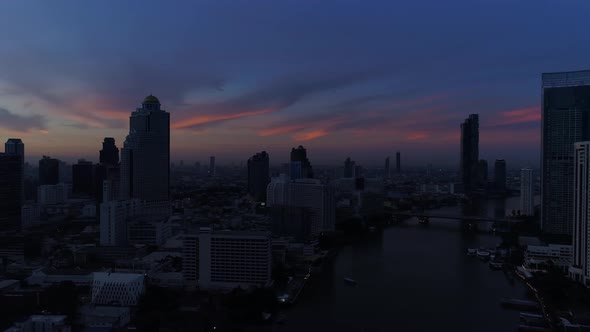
{"x": 263, "y": 78}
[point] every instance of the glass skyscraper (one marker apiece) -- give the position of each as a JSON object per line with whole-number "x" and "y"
{"x": 145, "y": 156}
{"x": 565, "y": 121}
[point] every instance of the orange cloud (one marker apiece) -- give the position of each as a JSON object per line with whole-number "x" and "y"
{"x": 203, "y": 119}
{"x": 307, "y": 136}
{"x": 415, "y": 136}
{"x": 280, "y": 130}
{"x": 524, "y": 115}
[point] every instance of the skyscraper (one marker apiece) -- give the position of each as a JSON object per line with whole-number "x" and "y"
{"x": 17, "y": 147}
{"x": 212, "y": 169}
{"x": 145, "y": 156}
{"x": 349, "y": 168}
{"x": 387, "y": 171}
{"x": 48, "y": 171}
{"x": 109, "y": 154}
{"x": 500, "y": 175}
{"x": 10, "y": 191}
{"x": 527, "y": 206}
{"x": 258, "y": 176}
{"x": 82, "y": 178}
{"x": 398, "y": 162}
{"x": 565, "y": 121}
{"x": 300, "y": 154}
{"x": 580, "y": 271}
{"x": 482, "y": 169}
{"x": 469, "y": 152}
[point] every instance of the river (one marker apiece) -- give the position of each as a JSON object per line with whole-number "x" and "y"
{"x": 411, "y": 278}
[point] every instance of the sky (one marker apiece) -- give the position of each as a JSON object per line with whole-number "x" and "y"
{"x": 343, "y": 78}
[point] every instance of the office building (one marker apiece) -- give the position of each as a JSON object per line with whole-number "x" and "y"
{"x": 48, "y": 171}
{"x": 386, "y": 172}
{"x": 565, "y": 117}
{"x": 398, "y": 162}
{"x": 212, "y": 170}
{"x": 580, "y": 270}
{"x": 82, "y": 178}
{"x": 113, "y": 220}
{"x": 469, "y": 158}
{"x": 539, "y": 258}
{"x": 482, "y": 179}
{"x": 17, "y": 147}
{"x": 109, "y": 154}
{"x": 305, "y": 193}
{"x": 300, "y": 154}
{"x": 52, "y": 194}
{"x": 500, "y": 176}
{"x": 30, "y": 215}
{"x": 349, "y": 168}
{"x": 145, "y": 156}
{"x": 258, "y": 176}
{"x": 527, "y": 192}
{"x": 227, "y": 259}
{"x": 11, "y": 191}
{"x": 122, "y": 289}
{"x": 148, "y": 230}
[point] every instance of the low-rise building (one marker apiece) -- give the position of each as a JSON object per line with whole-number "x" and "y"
{"x": 42, "y": 323}
{"x": 539, "y": 257}
{"x": 122, "y": 289}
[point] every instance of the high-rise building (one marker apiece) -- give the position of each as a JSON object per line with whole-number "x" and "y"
{"x": 300, "y": 154}
{"x": 82, "y": 178}
{"x": 227, "y": 259}
{"x": 580, "y": 269}
{"x": 305, "y": 193}
{"x": 110, "y": 152}
{"x": 17, "y": 147}
{"x": 52, "y": 194}
{"x": 565, "y": 121}
{"x": 349, "y": 168}
{"x": 527, "y": 203}
{"x": 48, "y": 171}
{"x": 212, "y": 170}
{"x": 500, "y": 175}
{"x": 386, "y": 173}
{"x": 482, "y": 178}
{"x": 145, "y": 156}
{"x": 398, "y": 162}
{"x": 258, "y": 176}
{"x": 469, "y": 158}
{"x": 11, "y": 187}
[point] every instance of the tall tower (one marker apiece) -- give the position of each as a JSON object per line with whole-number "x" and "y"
{"x": 300, "y": 154}
{"x": 527, "y": 206}
{"x": 258, "y": 176}
{"x": 398, "y": 162}
{"x": 469, "y": 152}
{"x": 109, "y": 154}
{"x": 565, "y": 121}
{"x": 580, "y": 270}
{"x": 15, "y": 146}
{"x": 349, "y": 168}
{"x": 11, "y": 191}
{"x": 387, "y": 171}
{"x": 48, "y": 171}
{"x": 145, "y": 156}
{"x": 500, "y": 175}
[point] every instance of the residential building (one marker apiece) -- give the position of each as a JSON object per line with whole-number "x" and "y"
{"x": 565, "y": 116}
{"x": 469, "y": 158}
{"x": 11, "y": 191}
{"x": 48, "y": 171}
{"x": 349, "y": 168}
{"x": 52, "y": 194}
{"x": 148, "y": 230}
{"x": 109, "y": 155}
{"x": 500, "y": 176}
{"x": 300, "y": 154}
{"x": 113, "y": 221}
{"x": 580, "y": 269}
{"x": 258, "y": 176}
{"x": 82, "y": 178}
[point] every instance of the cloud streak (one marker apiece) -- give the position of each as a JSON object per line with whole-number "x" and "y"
{"x": 21, "y": 123}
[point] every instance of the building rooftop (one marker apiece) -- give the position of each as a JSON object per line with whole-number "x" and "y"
{"x": 151, "y": 99}
{"x": 119, "y": 277}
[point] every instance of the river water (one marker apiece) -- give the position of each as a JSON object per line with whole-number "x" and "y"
{"x": 411, "y": 278}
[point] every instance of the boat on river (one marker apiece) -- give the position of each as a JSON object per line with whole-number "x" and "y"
{"x": 350, "y": 281}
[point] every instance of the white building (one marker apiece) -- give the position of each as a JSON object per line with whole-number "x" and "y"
{"x": 537, "y": 258}
{"x": 42, "y": 323}
{"x": 527, "y": 203}
{"x": 305, "y": 193}
{"x": 30, "y": 215}
{"x": 145, "y": 156}
{"x": 227, "y": 259}
{"x": 123, "y": 289}
{"x": 580, "y": 269}
{"x": 113, "y": 221}
{"x": 89, "y": 211}
{"x": 52, "y": 194}
{"x": 147, "y": 230}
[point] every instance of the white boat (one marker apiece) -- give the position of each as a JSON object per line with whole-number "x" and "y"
{"x": 483, "y": 254}
{"x": 471, "y": 252}
{"x": 350, "y": 281}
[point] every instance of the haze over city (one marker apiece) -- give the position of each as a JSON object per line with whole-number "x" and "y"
{"x": 239, "y": 77}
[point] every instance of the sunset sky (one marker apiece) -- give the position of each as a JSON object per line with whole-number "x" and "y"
{"x": 343, "y": 78}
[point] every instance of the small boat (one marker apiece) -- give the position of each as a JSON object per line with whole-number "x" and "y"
{"x": 483, "y": 254}
{"x": 495, "y": 265}
{"x": 350, "y": 281}
{"x": 471, "y": 252}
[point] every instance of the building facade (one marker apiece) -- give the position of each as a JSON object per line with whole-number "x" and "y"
{"x": 300, "y": 154}
{"x": 109, "y": 154}
{"x": 258, "y": 176}
{"x": 123, "y": 289}
{"x": 52, "y": 194}
{"x": 349, "y": 168}
{"x": 580, "y": 269}
{"x": 527, "y": 192}
{"x": 48, "y": 171}
{"x": 500, "y": 175}
{"x": 398, "y": 162}
{"x": 82, "y": 178}
{"x": 145, "y": 156}
{"x": 469, "y": 157}
{"x": 565, "y": 121}
{"x": 11, "y": 191}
